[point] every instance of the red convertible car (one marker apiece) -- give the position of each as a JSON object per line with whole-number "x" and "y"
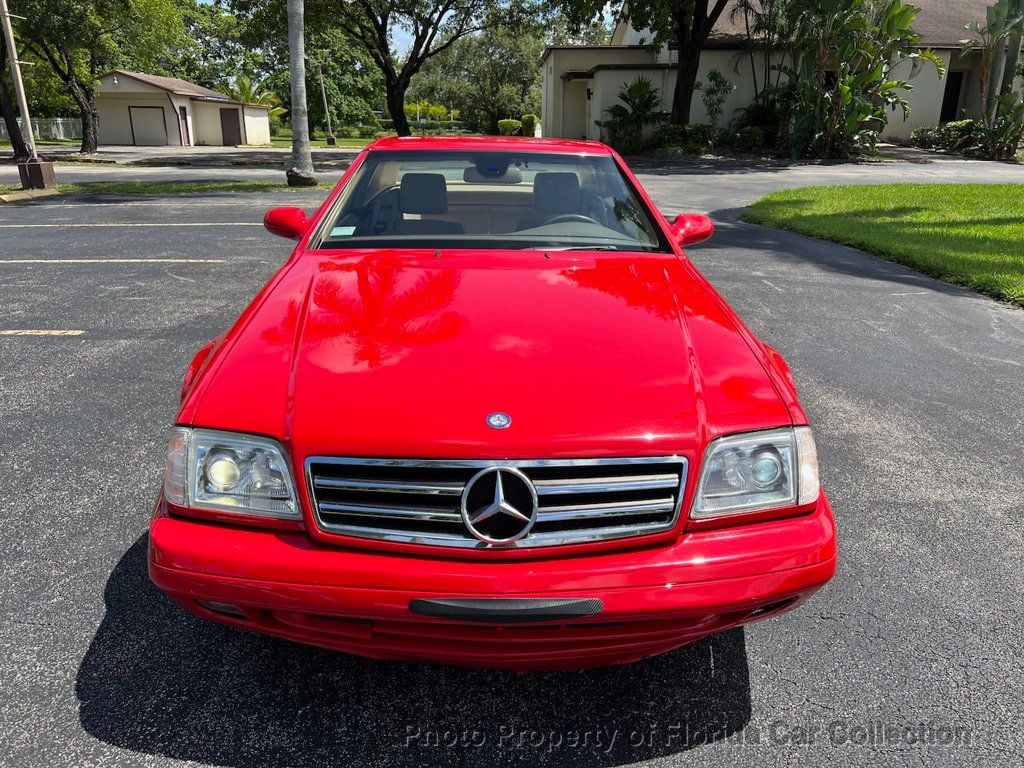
{"x": 488, "y": 413}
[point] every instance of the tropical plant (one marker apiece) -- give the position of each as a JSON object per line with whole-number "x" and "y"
{"x": 640, "y": 108}
{"x": 714, "y": 93}
{"x": 842, "y": 87}
{"x": 1002, "y": 20}
{"x": 1013, "y": 45}
{"x": 1002, "y": 139}
{"x": 243, "y": 89}
{"x": 769, "y": 32}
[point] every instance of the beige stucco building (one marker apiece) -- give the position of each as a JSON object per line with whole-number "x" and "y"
{"x": 581, "y": 82}
{"x": 148, "y": 110}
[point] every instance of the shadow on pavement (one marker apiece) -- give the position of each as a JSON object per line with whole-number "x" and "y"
{"x": 785, "y": 246}
{"x": 158, "y": 681}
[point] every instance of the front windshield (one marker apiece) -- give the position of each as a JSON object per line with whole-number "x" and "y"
{"x": 529, "y": 200}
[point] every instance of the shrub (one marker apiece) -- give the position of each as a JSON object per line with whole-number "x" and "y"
{"x": 769, "y": 115}
{"x": 510, "y": 127}
{"x": 670, "y": 135}
{"x": 1002, "y": 139}
{"x": 529, "y": 125}
{"x": 694, "y": 138}
{"x": 958, "y": 136}
{"x": 714, "y": 93}
{"x": 925, "y": 138}
{"x": 639, "y": 109}
{"x": 748, "y": 139}
{"x": 367, "y": 130}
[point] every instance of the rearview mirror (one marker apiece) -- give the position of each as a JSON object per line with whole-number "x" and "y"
{"x": 290, "y": 223}
{"x": 691, "y": 228}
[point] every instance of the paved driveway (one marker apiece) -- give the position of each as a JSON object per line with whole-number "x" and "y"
{"x": 917, "y": 390}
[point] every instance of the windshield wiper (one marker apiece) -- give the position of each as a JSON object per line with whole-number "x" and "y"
{"x": 574, "y": 248}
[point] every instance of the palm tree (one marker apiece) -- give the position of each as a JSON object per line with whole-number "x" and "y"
{"x": 1013, "y": 50}
{"x": 243, "y": 89}
{"x": 640, "y": 108}
{"x": 301, "y": 172}
{"x": 1001, "y": 22}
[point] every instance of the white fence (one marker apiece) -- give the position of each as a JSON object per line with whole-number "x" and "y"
{"x": 50, "y": 128}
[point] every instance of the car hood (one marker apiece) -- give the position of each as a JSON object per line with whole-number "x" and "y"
{"x": 391, "y": 353}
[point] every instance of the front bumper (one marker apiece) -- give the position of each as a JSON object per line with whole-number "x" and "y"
{"x": 651, "y": 599}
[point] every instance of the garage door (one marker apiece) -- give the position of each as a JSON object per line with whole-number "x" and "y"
{"x": 149, "y": 129}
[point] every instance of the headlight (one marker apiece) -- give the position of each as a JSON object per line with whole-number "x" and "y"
{"x": 758, "y": 470}
{"x": 229, "y": 472}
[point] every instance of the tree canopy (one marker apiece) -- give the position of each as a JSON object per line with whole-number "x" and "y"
{"x": 486, "y": 76}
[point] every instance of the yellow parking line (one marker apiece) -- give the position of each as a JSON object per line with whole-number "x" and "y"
{"x": 38, "y": 332}
{"x": 112, "y": 261}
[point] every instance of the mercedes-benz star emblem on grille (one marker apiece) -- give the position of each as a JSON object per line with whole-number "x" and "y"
{"x": 499, "y": 420}
{"x": 499, "y": 505}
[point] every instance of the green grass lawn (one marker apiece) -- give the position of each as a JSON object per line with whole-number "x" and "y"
{"x": 321, "y": 143}
{"x": 167, "y": 187}
{"x": 41, "y": 143}
{"x": 968, "y": 234}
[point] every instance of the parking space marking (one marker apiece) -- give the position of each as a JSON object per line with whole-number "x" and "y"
{"x": 40, "y": 332}
{"x": 113, "y": 261}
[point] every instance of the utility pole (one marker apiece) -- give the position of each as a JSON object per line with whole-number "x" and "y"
{"x": 331, "y": 141}
{"x": 35, "y": 173}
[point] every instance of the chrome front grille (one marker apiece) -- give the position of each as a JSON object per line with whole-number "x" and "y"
{"x": 418, "y": 501}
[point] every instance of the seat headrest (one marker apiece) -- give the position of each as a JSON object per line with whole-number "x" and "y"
{"x": 423, "y": 193}
{"x": 555, "y": 193}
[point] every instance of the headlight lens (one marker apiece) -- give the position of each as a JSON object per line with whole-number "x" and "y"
{"x": 758, "y": 470}
{"x": 229, "y": 472}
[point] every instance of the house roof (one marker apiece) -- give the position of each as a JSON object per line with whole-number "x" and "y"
{"x": 172, "y": 85}
{"x": 941, "y": 23}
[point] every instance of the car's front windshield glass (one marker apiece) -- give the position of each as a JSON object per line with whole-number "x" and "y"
{"x": 495, "y": 200}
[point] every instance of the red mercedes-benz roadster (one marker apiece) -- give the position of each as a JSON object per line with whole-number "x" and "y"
{"x": 488, "y": 413}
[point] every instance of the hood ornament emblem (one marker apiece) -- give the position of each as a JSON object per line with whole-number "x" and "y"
{"x": 499, "y": 505}
{"x": 499, "y": 420}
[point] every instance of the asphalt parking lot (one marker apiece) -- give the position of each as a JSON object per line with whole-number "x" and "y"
{"x": 917, "y": 392}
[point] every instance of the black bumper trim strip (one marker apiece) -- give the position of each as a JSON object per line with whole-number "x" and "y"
{"x": 506, "y": 610}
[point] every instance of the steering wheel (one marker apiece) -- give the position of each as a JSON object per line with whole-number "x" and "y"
{"x": 566, "y": 218}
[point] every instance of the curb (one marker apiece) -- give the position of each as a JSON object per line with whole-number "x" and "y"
{"x": 28, "y": 194}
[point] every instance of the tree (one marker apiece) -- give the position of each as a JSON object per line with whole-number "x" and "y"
{"x": 81, "y": 39}
{"x": 215, "y": 47}
{"x": 768, "y": 34}
{"x": 1002, "y": 22}
{"x": 1013, "y": 45}
{"x": 301, "y": 172}
{"x": 486, "y": 76}
{"x": 7, "y": 108}
{"x": 841, "y": 87}
{"x": 351, "y": 78}
{"x": 686, "y": 22}
{"x": 434, "y": 26}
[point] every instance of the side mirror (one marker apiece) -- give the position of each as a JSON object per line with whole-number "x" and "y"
{"x": 290, "y": 223}
{"x": 691, "y": 228}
